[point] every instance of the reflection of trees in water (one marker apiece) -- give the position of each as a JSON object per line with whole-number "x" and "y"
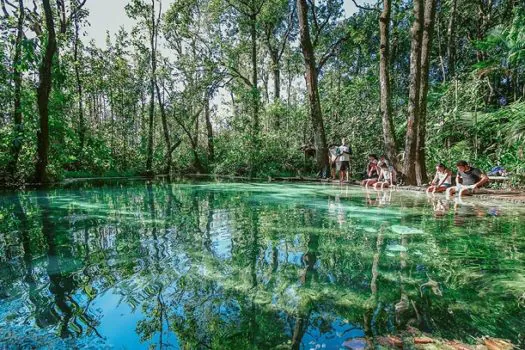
{"x": 65, "y": 312}
{"x": 154, "y": 245}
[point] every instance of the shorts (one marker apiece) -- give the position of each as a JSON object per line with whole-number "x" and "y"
{"x": 445, "y": 185}
{"x": 345, "y": 165}
{"x": 469, "y": 190}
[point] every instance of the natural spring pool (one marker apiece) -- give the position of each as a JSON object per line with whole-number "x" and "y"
{"x": 254, "y": 266}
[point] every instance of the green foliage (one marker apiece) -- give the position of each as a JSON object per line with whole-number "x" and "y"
{"x": 478, "y": 114}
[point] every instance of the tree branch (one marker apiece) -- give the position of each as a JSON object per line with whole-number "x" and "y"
{"x": 237, "y": 8}
{"x": 314, "y": 15}
{"x": 4, "y": 9}
{"x": 320, "y": 29}
{"x": 260, "y": 8}
{"x": 365, "y": 7}
{"x": 331, "y": 52}
{"x": 78, "y": 7}
{"x": 239, "y": 75}
{"x": 287, "y": 33}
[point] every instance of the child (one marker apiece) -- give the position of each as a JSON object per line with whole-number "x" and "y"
{"x": 386, "y": 176}
{"x": 442, "y": 180}
{"x": 371, "y": 171}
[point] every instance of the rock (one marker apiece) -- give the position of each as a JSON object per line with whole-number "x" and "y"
{"x": 497, "y": 344}
{"x": 480, "y": 347}
{"x": 404, "y": 230}
{"x": 458, "y": 346}
{"x": 390, "y": 341}
{"x": 396, "y": 248}
{"x": 357, "y": 344}
{"x": 423, "y": 340}
{"x": 413, "y": 330}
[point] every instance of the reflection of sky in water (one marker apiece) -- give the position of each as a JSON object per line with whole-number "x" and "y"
{"x": 117, "y": 316}
{"x": 221, "y": 232}
{"x": 323, "y": 334}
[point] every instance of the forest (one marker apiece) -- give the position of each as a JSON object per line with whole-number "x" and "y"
{"x": 252, "y": 87}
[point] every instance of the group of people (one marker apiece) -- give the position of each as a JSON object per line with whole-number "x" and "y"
{"x": 468, "y": 180}
{"x": 380, "y": 173}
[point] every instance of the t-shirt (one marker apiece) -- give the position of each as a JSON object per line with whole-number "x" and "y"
{"x": 372, "y": 168}
{"x": 384, "y": 161}
{"x": 444, "y": 176}
{"x": 344, "y": 151}
{"x": 470, "y": 177}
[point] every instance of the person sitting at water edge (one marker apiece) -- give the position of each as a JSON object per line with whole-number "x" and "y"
{"x": 344, "y": 157}
{"x": 384, "y": 160}
{"x": 385, "y": 178}
{"x": 442, "y": 180}
{"x": 468, "y": 180}
{"x": 371, "y": 171}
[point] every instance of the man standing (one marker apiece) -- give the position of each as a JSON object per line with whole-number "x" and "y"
{"x": 344, "y": 156}
{"x": 468, "y": 180}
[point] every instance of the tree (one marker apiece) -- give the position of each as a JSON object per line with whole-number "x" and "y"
{"x": 409, "y": 169}
{"x": 278, "y": 23}
{"x": 384, "y": 78}
{"x": 43, "y": 91}
{"x": 17, "y": 79}
{"x": 426, "y": 46}
{"x": 148, "y": 14}
{"x": 316, "y": 117}
{"x": 249, "y": 11}
{"x": 78, "y": 61}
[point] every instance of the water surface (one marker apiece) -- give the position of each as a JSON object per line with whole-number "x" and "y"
{"x": 247, "y": 266}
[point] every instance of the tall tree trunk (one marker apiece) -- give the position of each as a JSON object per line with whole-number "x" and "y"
{"x": 165, "y": 130}
{"x": 209, "y": 128}
{"x": 149, "y": 160}
{"x": 255, "y": 98}
{"x": 43, "y": 92}
{"x": 81, "y": 122}
{"x": 384, "y": 77}
{"x": 439, "y": 37}
{"x": 413, "y": 98}
{"x": 451, "y": 40}
{"x": 313, "y": 91}
{"x": 17, "y": 79}
{"x": 276, "y": 77}
{"x": 276, "y": 71}
{"x": 426, "y": 48}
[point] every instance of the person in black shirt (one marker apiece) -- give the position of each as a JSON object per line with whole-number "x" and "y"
{"x": 468, "y": 180}
{"x": 372, "y": 171}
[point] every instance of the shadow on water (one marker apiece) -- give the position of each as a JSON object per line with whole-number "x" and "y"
{"x": 245, "y": 266}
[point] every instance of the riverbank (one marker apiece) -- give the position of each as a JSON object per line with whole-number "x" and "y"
{"x": 517, "y": 197}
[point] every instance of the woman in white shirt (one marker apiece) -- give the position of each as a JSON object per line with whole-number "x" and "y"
{"x": 442, "y": 180}
{"x": 386, "y": 177}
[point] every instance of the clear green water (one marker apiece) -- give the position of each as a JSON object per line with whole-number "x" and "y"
{"x": 247, "y": 266}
